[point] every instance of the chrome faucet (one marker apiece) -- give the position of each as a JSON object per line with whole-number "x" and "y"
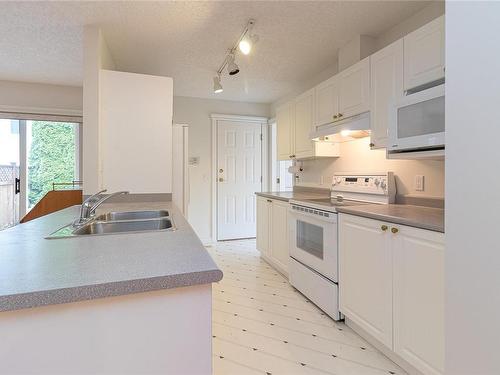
{"x": 89, "y": 205}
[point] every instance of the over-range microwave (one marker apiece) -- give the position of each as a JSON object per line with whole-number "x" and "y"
{"x": 416, "y": 122}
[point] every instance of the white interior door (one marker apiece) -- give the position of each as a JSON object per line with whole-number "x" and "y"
{"x": 239, "y": 176}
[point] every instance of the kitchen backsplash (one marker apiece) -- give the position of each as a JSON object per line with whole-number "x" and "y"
{"x": 356, "y": 156}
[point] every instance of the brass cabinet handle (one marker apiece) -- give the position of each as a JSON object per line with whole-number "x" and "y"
{"x": 384, "y": 227}
{"x": 221, "y": 179}
{"x": 221, "y": 170}
{"x": 394, "y": 230}
{"x": 270, "y": 201}
{"x": 372, "y": 144}
{"x": 340, "y": 115}
{"x": 335, "y": 116}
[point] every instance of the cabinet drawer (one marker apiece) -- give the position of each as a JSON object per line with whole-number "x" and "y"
{"x": 321, "y": 291}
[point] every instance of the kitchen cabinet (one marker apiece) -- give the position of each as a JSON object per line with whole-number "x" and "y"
{"x": 365, "y": 276}
{"x": 419, "y": 298}
{"x": 279, "y": 235}
{"x": 354, "y": 89}
{"x": 344, "y": 95}
{"x": 386, "y": 74}
{"x": 424, "y": 54}
{"x": 263, "y": 224}
{"x": 391, "y": 281}
{"x": 327, "y": 101}
{"x": 284, "y": 131}
{"x": 294, "y": 122}
{"x": 273, "y": 232}
{"x": 304, "y": 112}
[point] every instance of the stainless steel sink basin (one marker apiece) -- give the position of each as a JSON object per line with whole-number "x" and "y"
{"x": 133, "y": 215}
{"x": 108, "y": 227}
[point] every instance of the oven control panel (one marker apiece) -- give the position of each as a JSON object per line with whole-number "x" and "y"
{"x": 378, "y": 184}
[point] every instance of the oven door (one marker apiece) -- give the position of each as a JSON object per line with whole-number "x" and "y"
{"x": 417, "y": 122}
{"x": 313, "y": 240}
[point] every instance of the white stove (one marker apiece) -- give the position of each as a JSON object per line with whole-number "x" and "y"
{"x": 313, "y": 267}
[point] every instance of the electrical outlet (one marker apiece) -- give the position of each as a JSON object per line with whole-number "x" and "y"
{"x": 419, "y": 183}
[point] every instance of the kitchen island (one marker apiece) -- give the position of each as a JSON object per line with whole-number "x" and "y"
{"x": 117, "y": 303}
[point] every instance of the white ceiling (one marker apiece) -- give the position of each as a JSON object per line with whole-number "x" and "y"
{"x": 42, "y": 41}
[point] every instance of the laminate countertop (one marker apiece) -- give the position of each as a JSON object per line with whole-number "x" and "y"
{"x": 35, "y": 271}
{"x": 413, "y": 216}
{"x": 289, "y": 195}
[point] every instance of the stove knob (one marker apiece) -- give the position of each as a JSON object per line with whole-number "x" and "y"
{"x": 377, "y": 182}
{"x": 383, "y": 185}
{"x": 338, "y": 180}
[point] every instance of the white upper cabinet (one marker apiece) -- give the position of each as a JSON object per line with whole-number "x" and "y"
{"x": 386, "y": 88}
{"x": 424, "y": 54}
{"x": 327, "y": 101}
{"x": 304, "y": 116}
{"x": 419, "y": 298}
{"x": 354, "y": 89}
{"x": 284, "y": 131}
{"x": 294, "y": 122}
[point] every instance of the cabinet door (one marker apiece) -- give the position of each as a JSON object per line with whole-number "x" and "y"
{"x": 304, "y": 113}
{"x": 365, "y": 275}
{"x": 279, "y": 235}
{"x": 419, "y": 298}
{"x": 263, "y": 224}
{"x": 424, "y": 54}
{"x": 354, "y": 89}
{"x": 386, "y": 88}
{"x": 284, "y": 128}
{"x": 326, "y": 97}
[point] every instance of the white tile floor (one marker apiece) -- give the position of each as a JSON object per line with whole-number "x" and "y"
{"x": 262, "y": 325}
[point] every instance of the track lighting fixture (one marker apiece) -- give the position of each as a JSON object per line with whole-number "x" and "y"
{"x": 248, "y": 39}
{"x": 217, "y": 85}
{"x": 245, "y": 42}
{"x": 232, "y": 68}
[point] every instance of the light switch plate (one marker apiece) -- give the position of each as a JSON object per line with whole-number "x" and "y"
{"x": 419, "y": 183}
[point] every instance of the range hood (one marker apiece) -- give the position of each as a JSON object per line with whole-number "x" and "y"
{"x": 349, "y": 129}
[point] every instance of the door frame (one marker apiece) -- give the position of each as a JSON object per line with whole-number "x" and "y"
{"x": 216, "y": 117}
{"x": 24, "y": 114}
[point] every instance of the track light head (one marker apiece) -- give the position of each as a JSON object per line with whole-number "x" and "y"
{"x": 217, "y": 85}
{"x": 232, "y": 68}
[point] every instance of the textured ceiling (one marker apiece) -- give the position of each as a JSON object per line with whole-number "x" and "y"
{"x": 42, "y": 41}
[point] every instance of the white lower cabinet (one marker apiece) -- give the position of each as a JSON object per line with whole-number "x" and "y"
{"x": 365, "y": 276}
{"x": 419, "y": 298}
{"x": 272, "y": 232}
{"x": 263, "y": 224}
{"x": 391, "y": 281}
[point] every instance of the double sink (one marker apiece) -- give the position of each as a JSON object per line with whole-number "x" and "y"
{"x": 119, "y": 223}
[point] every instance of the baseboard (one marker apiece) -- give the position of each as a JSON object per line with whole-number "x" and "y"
{"x": 273, "y": 264}
{"x": 382, "y": 348}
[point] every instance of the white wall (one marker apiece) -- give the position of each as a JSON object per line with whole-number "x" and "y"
{"x": 39, "y": 97}
{"x": 196, "y": 113}
{"x": 136, "y": 132}
{"x": 96, "y": 56}
{"x": 472, "y": 188}
{"x": 356, "y": 156}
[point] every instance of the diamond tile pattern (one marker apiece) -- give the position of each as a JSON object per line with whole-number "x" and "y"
{"x": 262, "y": 325}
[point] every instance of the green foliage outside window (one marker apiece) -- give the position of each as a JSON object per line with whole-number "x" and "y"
{"x": 51, "y": 157}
